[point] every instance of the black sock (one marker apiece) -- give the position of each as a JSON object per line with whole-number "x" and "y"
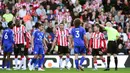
{"x": 108, "y": 61}
{"x": 116, "y": 62}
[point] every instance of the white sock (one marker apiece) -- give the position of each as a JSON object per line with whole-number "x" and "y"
{"x": 95, "y": 65}
{"x": 67, "y": 61}
{"x": 105, "y": 64}
{"x": 16, "y": 62}
{"x": 24, "y": 62}
{"x": 60, "y": 62}
{"x": 21, "y": 63}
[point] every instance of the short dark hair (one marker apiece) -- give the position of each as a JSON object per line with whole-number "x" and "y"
{"x": 97, "y": 25}
{"x": 10, "y": 24}
{"x": 77, "y": 22}
{"x": 37, "y": 25}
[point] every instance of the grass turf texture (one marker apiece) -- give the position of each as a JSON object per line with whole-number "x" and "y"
{"x": 122, "y": 70}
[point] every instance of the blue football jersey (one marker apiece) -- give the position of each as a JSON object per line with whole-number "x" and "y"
{"x": 38, "y": 37}
{"x": 8, "y": 37}
{"x": 78, "y": 36}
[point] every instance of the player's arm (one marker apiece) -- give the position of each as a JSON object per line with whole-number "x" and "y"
{"x": 70, "y": 42}
{"x": 86, "y": 41}
{"x": 104, "y": 43}
{"x": 102, "y": 26}
{"x": 44, "y": 42}
{"x": 53, "y": 44}
{"x": 90, "y": 46}
{"x": 117, "y": 35}
{"x": 32, "y": 39}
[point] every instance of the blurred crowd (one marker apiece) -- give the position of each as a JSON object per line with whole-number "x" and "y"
{"x": 53, "y": 12}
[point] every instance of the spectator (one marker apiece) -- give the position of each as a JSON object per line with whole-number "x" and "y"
{"x": 119, "y": 18}
{"x": 48, "y": 9}
{"x": 40, "y": 11}
{"x": 22, "y": 12}
{"x": 78, "y": 7}
{"x": 27, "y": 20}
{"x": 8, "y": 16}
{"x": 2, "y": 7}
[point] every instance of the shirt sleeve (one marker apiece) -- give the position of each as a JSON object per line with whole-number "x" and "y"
{"x": 117, "y": 33}
{"x": 106, "y": 28}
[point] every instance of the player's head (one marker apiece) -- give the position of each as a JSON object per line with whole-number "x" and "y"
{"x": 17, "y": 23}
{"x": 96, "y": 28}
{"x": 61, "y": 26}
{"x": 10, "y": 25}
{"x": 109, "y": 24}
{"x": 40, "y": 26}
{"x": 77, "y": 22}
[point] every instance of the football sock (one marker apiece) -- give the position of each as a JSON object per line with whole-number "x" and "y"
{"x": 24, "y": 62}
{"x": 33, "y": 60}
{"x": 116, "y": 62}
{"x": 3, "y": 64}
{"x": 8, "y": 64}
{"x": 67, "y": 60}
{"x": 60, "y": 61}
{"x": 77, "y": 64}
{"x": 108, "y": 61}
{"x": 95, "y": 64}
{"x": 16, "y": 62}
{"x": 42, "y": 60}
{"x": 104, "y": 62}
{"x": 81, "y": 61}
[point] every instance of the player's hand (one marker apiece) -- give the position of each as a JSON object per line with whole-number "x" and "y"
{"x": 100, "y": 52}
{"x": 15, "y": 46}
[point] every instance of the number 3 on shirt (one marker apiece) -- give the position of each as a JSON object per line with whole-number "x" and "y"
{"x": 5, "y": 36}
{"x": 77, "y": 34}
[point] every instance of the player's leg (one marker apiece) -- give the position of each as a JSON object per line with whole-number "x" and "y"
{"x": 41, "y": 58}
{"x": 108, "y": 62}
{"x": 34, "y": 59}
{"x": 109, "y": 51}
{"x": 4, "y": 60}
{"x": 16, "y": 52}
{"x": 60, "y": 52}
{"x": 82, "y": 50}
{"x": 8, "y": 61}
{"x": 103, "y": 60}
{"x": 76, "y": 51}
{"x": 116, "y": 61}
{"x": 67, "y": 60}
{"x": 115, "y": 51}
{"x": 94, "y": 54}
{"x": 22, "y": 59}
{"x": 100, "y": 53}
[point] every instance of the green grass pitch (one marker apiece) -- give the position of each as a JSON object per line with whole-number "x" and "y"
{"x": 122, "y": 70}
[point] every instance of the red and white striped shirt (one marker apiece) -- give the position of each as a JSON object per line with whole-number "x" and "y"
{"x": 19, "y": 34}
{"x": 97, "y": 41}
{"x": 62, "y": 37}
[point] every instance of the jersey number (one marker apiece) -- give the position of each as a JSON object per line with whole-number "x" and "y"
{"x": 5, "y": 36}
{"x": 77, "y": 34}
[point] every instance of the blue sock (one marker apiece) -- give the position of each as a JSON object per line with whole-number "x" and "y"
{"x": 8, "y": 64}
{"x": 39, "y": 62}
{"x": 81, "y": 61}
{"x": 77, "y": 64}
{"x": 3, "y": 64}
{"x": 36, "y": 62}
{"x": 42, "y": 58}
{"x": 33, "y": 60}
